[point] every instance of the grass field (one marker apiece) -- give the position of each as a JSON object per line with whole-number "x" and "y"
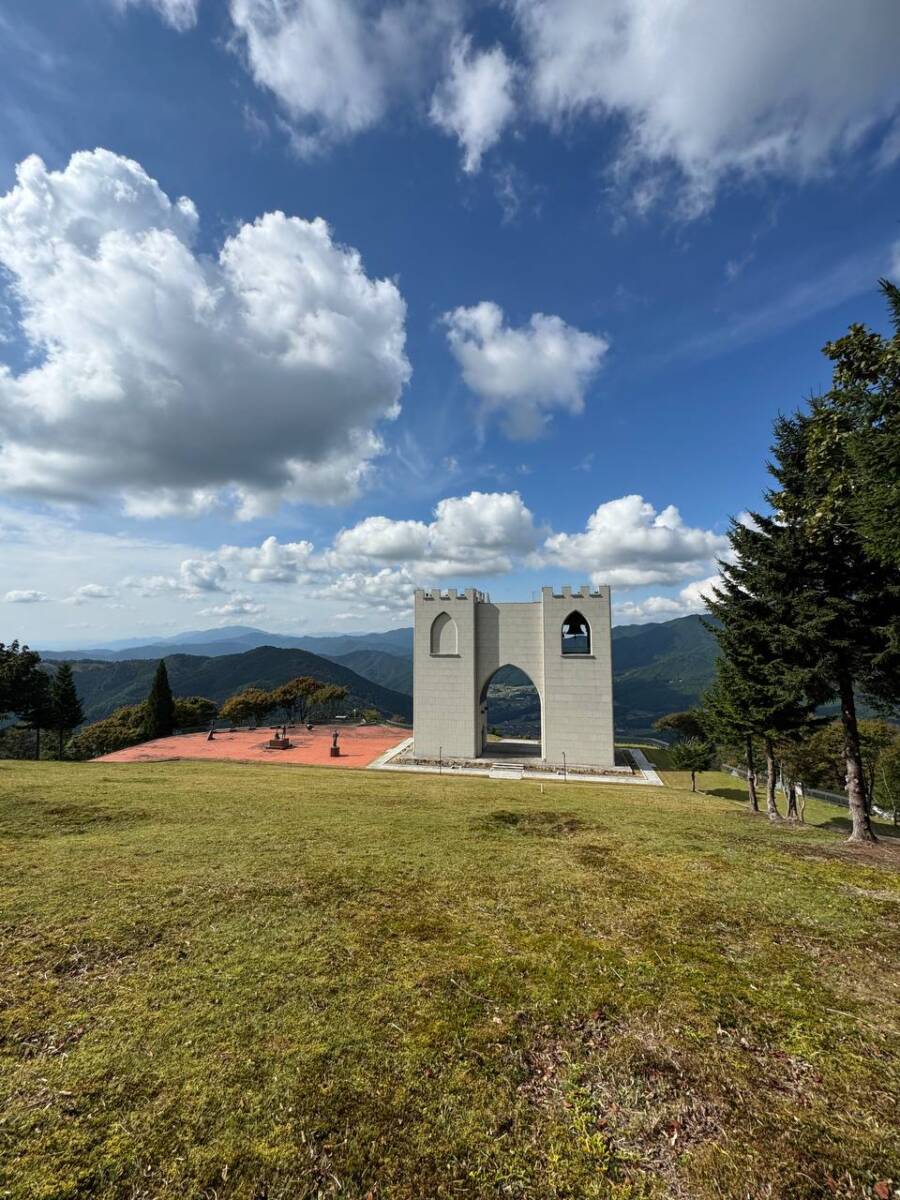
{"x": 232, "y": 981}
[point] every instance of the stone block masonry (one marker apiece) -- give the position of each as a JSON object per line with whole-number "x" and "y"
{"x": 562, "y": 642}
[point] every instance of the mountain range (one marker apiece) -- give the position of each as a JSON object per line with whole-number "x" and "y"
{"x": 236, "y": 639}
{"x": 657, "y": 668}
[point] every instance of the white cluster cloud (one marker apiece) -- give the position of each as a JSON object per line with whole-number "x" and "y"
{"x": 378, "y": 562}
{"x": 89, "y": 592}
{"x": 365, "y": 571}
{"x": 179, "y": 381}
{"x": 481, "y": 532}
{"x": 716, "y": 87}
{"x": 708, "y": 89}
{"x": 523, "y": 374}
{"x": 629, "y": 544}
{"x": 270, "y": 562}
{"x": 238, "y": 605}
{"x": 385, "y": 591}
{"x": 336, "y": 65}
{"x": 196, "y": 577}
{"x": 475, "y": 102}
{"x": 690, "y": 599}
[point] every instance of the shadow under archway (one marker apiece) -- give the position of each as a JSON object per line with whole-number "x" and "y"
{"x": 511, "y": 715}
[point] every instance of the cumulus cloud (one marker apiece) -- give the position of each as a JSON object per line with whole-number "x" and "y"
{"x": 88, "y": 592}
{"x": 702, "y": 89}
{"x": 481, "y": 532}
{"x": 367, "y": 570}
{"x": 180, "y": 14}
{"x": 629, "y": 544}
{"x": 385, "y": 591}
{"x": 716, "y": 88}
{"x": 238, "y": 605}
{"x": 179, "y": 381}
{"x": 335, "y": 66}
{"x": 691, "y": 599}
{"x": 522, "y": 375}
{"x": 626, "y": 543}
{"x": 196, "y": 578}
{"x": 27, "y": 596}
{"x": 270, "y": 562}
{"x": 475, "y": 102}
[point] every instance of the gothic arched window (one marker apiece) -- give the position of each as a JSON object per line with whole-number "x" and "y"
{"x": 576, "y": 634}
{"x": 444, "y": 637}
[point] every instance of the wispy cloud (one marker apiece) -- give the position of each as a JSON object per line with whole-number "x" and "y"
{"x": 853, "y": 275}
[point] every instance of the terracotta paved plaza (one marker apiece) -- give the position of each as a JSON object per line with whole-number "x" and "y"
{"x": 360, "y": 745}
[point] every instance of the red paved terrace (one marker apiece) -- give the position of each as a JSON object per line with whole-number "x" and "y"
{"x": 360, "y": 745}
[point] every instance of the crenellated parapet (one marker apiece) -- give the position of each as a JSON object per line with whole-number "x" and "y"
{"x": 567, "y": 592}
{"x": 444, "y": 595}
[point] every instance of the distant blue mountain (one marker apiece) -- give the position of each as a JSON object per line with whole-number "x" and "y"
{"x": 237, "y": 639}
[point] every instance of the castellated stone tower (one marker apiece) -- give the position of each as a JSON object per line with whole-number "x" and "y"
{"x": 561, "y": 641}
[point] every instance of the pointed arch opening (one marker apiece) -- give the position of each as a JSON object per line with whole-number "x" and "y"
{"x": 576, "y": 634}
{"x": 444, "y": 635}
{"x": 511, "y": 715}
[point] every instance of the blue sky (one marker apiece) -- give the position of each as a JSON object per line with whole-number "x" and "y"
{"x": 573, "y": 254}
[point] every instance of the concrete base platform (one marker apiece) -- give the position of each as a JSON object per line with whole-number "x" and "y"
{"x": 499, "y": 766}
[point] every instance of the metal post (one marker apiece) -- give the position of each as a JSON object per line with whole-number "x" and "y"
{"x": 440, "y": 760}
{"x": 565, "y": 776}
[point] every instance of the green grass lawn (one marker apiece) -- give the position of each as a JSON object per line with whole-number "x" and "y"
{"x": 230, "y": 981}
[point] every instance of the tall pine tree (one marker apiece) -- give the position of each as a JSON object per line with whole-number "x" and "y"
{"x": 160, "y": 716}
{"x": 760, "y": 689}
{"x": 866, "y": 402}
{"x": 728, "y": 707}
{"x": 65, "y": 706}
{"x": 841, "y": 592}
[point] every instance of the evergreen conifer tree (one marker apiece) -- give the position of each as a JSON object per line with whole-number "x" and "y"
{"x": 66, "y": 711}
{"x": 25, "y": 688}
{"x": 811, "y": 607}
{"x": 762, "y": 688}
{"x": 865, "y": 403}
{"x": 728, "y": 705}
{"x": 847, "y": 602}
{"x": 160, "y": 715}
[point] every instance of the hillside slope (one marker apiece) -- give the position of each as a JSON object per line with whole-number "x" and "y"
{"x": 659, "y": 669}
{"x": 105, "y": 686}
{"x": 422, "y": 987}
{"x": 390, "y": 670}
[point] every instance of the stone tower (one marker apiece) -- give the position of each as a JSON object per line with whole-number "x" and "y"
{"x": 561, "y": 641}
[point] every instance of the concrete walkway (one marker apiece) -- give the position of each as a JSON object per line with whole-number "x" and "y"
{"x": 390, "y": 761}
{"x": 641, "y": 760}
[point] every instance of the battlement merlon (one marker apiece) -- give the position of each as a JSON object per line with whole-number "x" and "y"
{"x": 570, "y": 593}
{"x": 425, "y": 594}
{"x": 585, "y": 591}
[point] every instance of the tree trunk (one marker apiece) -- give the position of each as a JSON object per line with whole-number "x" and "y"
{"x": 792, "y": 813}
{"x": 751, "y": 776}
{"x": 771, "y": 805}
{"x": 856, "y": 788}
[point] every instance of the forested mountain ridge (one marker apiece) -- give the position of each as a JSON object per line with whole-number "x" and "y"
{"x": 106, "y": 686}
